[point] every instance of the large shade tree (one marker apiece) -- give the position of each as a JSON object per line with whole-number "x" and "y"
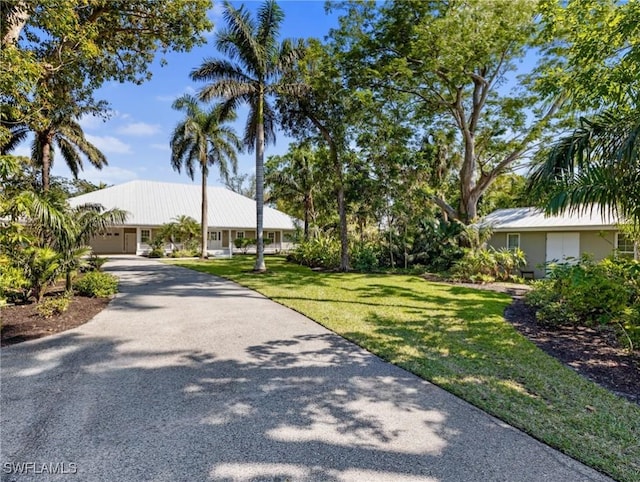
{"x": 452, "y": 59}
{"x": 200, "y": 141}
{"x": 56, "y": 53}
{"x": 251, "y": 74}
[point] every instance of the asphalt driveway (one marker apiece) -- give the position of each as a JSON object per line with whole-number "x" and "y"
{"x": 186, "y": 377}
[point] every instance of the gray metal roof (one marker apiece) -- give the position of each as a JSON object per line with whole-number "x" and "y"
{"x": 533, "y": 219}
{"x": 151, "y": 203}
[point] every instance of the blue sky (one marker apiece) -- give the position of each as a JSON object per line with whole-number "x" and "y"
{"x": 136, "y": 137}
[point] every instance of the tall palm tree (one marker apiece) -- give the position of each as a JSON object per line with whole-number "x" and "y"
{"x": 203, "y": 140}
{"x": 599, "y": 163}
{"x": 251, "y": 76}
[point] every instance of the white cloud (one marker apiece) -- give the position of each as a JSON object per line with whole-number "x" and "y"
{"x": 109, "y": 144}
{"x": 139, "y": 129}
{"x": 161, "y": 147}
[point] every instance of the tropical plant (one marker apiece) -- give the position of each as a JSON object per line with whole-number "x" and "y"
{"x": 598, "y": 164}
{"x": 182, "y": 230}
{"x": 97, "y": 284}
{"x": 203, "y": 140}
{"x": 294, "y": 177}
{"x": 64, "y": 132}
{"x": 251, "y": 76}
{"x": 85, "y": 221}
{"x": 591, "y": 293}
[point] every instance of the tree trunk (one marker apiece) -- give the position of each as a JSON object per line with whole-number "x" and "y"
{"x": 45, "y": 142}
{"x": 342, "y": 212}
{"x": 306, "y": 217}
{"x": 204, "y": 215}
{"x": 260, "y": 265}
{"x": 14, "y": 18}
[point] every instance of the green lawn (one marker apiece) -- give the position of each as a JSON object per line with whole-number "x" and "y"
{"x": 457, "y": 338}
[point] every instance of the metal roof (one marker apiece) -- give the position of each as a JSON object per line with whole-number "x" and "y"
{"x": 534, "y": 219}
{"x": 151, "y": 203}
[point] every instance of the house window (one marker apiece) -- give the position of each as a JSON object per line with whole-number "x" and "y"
{"x": 625, "y": 246}
{"x": 240, "y": 235}
{"x": 145, "y": 235}
{"x": 513, "y": 241}
{"x": 213, "y": 236}
{"x": 271, "y": 236}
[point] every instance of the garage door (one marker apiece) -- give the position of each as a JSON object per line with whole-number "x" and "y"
{"x": 109, "y": 243}
{"x": 563, "y": 247}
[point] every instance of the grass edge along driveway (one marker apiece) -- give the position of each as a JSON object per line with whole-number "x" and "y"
{"x": 458, "y": 339}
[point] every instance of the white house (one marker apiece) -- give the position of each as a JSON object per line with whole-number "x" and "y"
{"x": 151, "y": 204}
{"x": 563, "y": 237}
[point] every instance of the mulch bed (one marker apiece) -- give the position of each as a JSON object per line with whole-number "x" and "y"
{"x": 593, "y": 352}
{"x": 22, "y": 322}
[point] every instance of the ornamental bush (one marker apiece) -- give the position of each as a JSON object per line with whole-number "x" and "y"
{"x": 55, "y": 305}
{"x": 320, "y": 252}
{"x": 591, "y": 293}
{"x": 97, "y": 285}
{"x": 488, "y": 265}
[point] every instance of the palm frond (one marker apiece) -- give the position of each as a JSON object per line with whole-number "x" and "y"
{"x": 228, "y": 89}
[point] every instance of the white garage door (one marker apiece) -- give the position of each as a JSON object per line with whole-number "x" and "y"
{"x": 562, "y": 246}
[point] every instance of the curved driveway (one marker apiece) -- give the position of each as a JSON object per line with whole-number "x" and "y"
{"x": 186, "y": 377}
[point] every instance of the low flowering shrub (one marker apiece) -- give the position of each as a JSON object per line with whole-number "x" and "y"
{"x": 97, "y": 284}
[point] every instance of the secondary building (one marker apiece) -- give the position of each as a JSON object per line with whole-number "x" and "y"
{"x": 151, "y": 204}
{"x": 546, "y": 239}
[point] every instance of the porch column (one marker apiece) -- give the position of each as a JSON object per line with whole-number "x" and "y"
{"x": 138, "y": 238}
{"x": 230, "y": 246}
{"x": 281, "y": 240}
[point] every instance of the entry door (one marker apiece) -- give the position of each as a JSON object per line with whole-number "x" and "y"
{"x": 130, "y": 243}
{"x": 215, "y": 240}
{"x": 561, "y": 246}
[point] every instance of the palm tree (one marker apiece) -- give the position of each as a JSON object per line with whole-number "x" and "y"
{"x": 295, "y": 181}
{"x": 201, "y": 139}
{"x": 67, "y": 134}
{"x": 598, "y": 164}
{"x": 251, "y": 76}
{"x": 85, "y": 221}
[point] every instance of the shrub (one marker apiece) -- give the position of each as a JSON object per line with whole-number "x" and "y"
{"x": 53, "y": 306}
{"x": 97, "y": 284}
{"x": 321, "y": 252}
{"x": 487, "y": 265}
{"x": 184, "y": 253}
{"x": 365, "y": 256}
{"x": 156, "y": 253}
{"x": 590, "y": 293}
{"x": 13, "y": 283}
{"x": 244, "y": 244}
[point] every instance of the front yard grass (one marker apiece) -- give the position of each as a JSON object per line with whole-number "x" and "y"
{"x": 458, "y": 339}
